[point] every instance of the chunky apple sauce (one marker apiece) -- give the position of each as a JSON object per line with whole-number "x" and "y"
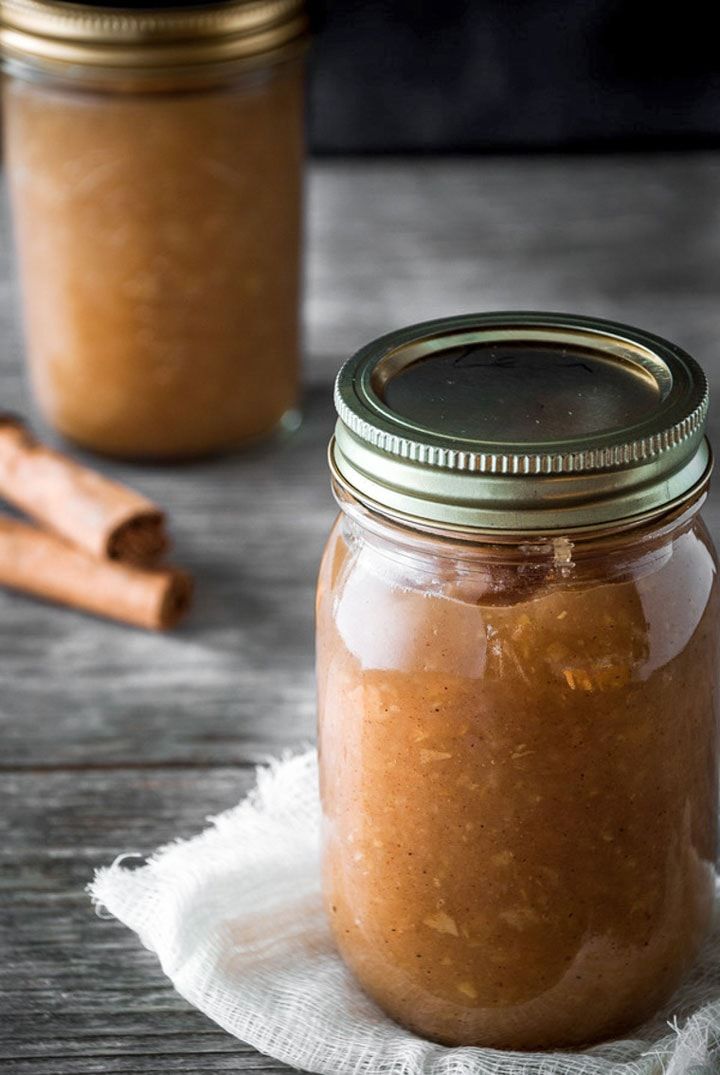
{"x": 519, "y": 773}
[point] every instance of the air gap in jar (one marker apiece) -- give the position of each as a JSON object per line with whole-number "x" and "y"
{"x": 517, "y": 677}
{"x": 155, "y": 163}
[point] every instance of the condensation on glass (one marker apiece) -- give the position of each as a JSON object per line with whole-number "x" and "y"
{"x": 517, "y": 676}
{"x": 155, "y": 166}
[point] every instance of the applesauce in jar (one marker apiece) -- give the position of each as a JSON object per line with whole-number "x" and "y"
{"x": 155, "y": 160}
{"x": 517, "y": 678}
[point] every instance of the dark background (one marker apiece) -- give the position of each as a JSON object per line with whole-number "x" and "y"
{"x": 467, "y": 76}
{"x": 396, "y": 76}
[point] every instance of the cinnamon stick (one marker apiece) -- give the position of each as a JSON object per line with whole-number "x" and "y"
{"x": 40, "y": 563}
{"x": 99, "y": 515}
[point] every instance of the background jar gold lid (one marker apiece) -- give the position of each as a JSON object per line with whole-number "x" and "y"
{"x": 521, "y": 422}
{"x": 85, "y": 40}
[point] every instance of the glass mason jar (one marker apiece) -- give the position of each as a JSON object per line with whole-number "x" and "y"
{"x": 517, "y": 676}
{"x": 155, "y": 165}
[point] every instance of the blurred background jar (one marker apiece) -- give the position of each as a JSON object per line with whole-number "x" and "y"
{"x": 155, "y": 165}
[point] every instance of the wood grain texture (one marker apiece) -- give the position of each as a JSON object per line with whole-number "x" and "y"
{"x": 112, "y": 739}
{"x": 74, "y": 994}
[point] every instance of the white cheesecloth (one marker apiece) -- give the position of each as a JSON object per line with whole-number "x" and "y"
{"x": 235, "y": 918}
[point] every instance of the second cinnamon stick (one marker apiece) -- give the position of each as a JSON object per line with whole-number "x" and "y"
{"x": 39, "y": 563}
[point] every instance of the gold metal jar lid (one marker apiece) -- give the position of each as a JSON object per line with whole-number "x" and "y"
{"x": 522, "y": 423}
{"x": 87, "y": 41}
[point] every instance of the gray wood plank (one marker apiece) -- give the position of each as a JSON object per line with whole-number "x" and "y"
{"x": 75, "y": 988}
{"x": 634, "y": 238}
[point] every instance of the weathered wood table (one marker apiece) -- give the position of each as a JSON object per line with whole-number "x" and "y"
{"x": 112, "y": 739}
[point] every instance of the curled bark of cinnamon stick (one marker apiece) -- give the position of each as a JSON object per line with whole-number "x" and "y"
{"x": 40, "y": 563}
{"x": 99, "y": 515}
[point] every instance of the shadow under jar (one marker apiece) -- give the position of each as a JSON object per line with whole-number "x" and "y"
{"x": 517, "y": 677}
{"x": 155, "y": 165}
